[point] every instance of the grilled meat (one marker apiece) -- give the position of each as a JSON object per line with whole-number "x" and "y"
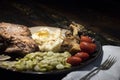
{"x": 8, "y": 30}
{"x": 16, "y": 39}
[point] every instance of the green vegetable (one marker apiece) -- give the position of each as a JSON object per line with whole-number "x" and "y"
{"x": 42, "y": 61}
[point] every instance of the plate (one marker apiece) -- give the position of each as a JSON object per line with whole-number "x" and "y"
{"x": 93, "y": 57}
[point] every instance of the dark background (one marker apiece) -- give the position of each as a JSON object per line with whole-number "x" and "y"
{"x": 101, "y": 16}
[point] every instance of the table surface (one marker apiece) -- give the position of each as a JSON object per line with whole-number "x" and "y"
{"x": 104, "y": 20}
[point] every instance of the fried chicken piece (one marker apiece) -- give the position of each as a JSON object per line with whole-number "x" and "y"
{"x": 72, "y": 41}
{"x": 71, "y": 44}
{"x": 77, "y": 29}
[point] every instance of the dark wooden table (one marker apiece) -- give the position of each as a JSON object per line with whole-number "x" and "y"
{"x": 99, "y": 16}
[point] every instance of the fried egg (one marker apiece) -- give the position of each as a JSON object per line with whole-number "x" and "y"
{"x": 48, "y": 40}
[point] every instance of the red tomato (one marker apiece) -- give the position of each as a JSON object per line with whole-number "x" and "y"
{"x": 74, "y": 60}
{"x": 87, "y": 47}
{"x": 94, "y": 46}
{"x": 82, "y": 55}
{"x": 86, "y": 39}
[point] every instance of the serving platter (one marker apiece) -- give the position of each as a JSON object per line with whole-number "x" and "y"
{"x": 93, "y": 56}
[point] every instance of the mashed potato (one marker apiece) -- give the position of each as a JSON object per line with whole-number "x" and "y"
{"x": 48, "y": 40}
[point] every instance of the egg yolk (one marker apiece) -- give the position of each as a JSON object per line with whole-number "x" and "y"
{"x": 43, "y": 33}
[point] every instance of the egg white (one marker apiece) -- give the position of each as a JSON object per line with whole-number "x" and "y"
{"x": 48, "y": 40}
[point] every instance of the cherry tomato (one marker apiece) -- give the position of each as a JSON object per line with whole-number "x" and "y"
{"x": 87, "y": 47}
{"x": 74, "y": 60}
{"x": 94, "y": 46}
{"x": 82, "y": 55}
{"x": 86, "y": 39}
